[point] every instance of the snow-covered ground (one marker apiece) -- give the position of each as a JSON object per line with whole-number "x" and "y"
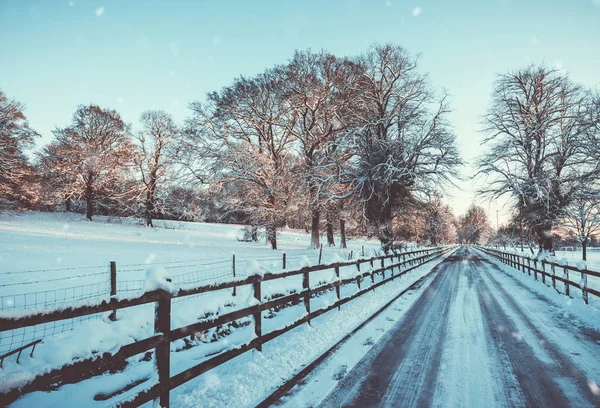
{"x": 42, "y": 252}
{"x": 481, "y": 335}
{"x": 571, "y": 258}
{"x": 100, "y": 335}
{"x": 49, "y": 256}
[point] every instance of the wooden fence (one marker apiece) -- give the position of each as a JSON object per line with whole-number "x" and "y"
{"x": 548, "y": 270}
{"x": 400, "y": 263}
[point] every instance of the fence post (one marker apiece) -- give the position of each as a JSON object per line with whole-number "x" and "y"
{"x": 535, "y": 269}
{"x": 284, "y": 260}
{"x": 529, "y": 266}
{"x": 162, "y": 324}
{"x": 553, "y": 276}
{"x": 383, "y": 268}
{"x": 258, "y": 315}
{"x": 358, "y": 278}
{"x": 113, "y": 288}
{"x": 584, "y": 286}
{"x": 362, "y": 250}
{"x": 543, "y": 272}
{"x": 350, "y": 255}
{"x": 337, "y": 284}
{"x": 233, "y": 268}
{"x": 567, "y": 282}
{"x": 306, "y": 287}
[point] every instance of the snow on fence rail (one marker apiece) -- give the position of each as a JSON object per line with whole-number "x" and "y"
{"x": 163, "y": 335}
{"x": 548, "y": 269}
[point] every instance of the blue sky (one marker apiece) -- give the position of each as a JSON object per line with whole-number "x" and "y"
{"x": 138, "y": 55}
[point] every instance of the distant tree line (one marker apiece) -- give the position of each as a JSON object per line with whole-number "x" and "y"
{"x": 357, "y": 145}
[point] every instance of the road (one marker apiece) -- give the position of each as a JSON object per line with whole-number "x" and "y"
{"x": 477, "y": 338}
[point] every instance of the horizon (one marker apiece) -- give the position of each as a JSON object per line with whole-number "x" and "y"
{"x": 159, "y": 56}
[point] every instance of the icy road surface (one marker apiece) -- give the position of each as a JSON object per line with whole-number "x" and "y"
{"x": 476, "y": 338}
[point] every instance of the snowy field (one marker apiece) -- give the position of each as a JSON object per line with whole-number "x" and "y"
{"x": 43, "y": 252}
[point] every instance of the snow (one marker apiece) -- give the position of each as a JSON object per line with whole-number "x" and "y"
{"x": 157, "y": 278}
{"x": 241, "y": 382}
{"x": 586, "y": 314}
{"x": 158, "y": 258}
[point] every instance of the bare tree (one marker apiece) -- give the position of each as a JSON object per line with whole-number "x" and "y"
{"x": 238, "y": 139}
{"x": 473, "y": 226}
{"x": 318, "y": 89}
{"x": 403, "y": 144}
{"x": 158, "y": 149}
{"x": 582, "y": 217}
{"x": 536, "y": 129}
{"x": 16, "y": 174}
{"x": 440, "y": 223}
{"x": 92, "y": 155}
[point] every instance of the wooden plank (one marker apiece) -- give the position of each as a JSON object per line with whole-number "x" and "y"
{"x": 257, "y": 315}
{"x": 162, "y": 360}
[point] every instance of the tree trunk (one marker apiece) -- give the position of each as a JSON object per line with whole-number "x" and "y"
{"x": 315, "y": 217}
{"x": 254, "y": 233}
{"x": 584, "y": 249}
{"x": 149, "y": 208}
{"x": 386, "y": 235}
{"x": 68, "y": 203}
{"x": 545, "y": 238}
{"x": 329, "y": 228}
{"x": 314, "y": 229}
{"x": 343, "y": 233}
{"x": 272, "y": 235}
{"x": 89, "y": 197}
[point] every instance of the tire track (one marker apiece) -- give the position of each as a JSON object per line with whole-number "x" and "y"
{"x": 558, "y": 383}
{"x": 405, "y": 361}
{"x": 472, "y": 372}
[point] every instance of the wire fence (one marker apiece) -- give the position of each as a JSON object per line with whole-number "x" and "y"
{"x": 184, "y": 273}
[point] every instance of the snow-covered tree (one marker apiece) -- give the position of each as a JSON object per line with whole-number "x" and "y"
{"x": 582, "y": 217}
{"x": 410, "y": 224}
{"x": 17, "y": 178}
{"x": 403, "y": 143}
{"x": 538, "y": 132}
{"x": 238, "y": 138}
{"x": 473, "y": 226}
{"x": 92, "y": 158}
{"x": 440, "y": 223}
{"x": 318, "y": 89}
{"x": 159, "y": 145}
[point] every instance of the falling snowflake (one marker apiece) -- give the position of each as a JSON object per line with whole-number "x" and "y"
{"x": 174, "y": 49}
{"x": 416, "y": 11}
{"x": 216, "y": 40}
{"x": 99, "y": 11}
{"x": 388, "y": 3}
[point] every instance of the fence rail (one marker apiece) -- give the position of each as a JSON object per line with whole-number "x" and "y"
{"x": 547, "y": 269}
{"x": 163, "y": 333}
{"x": 127, "y": 280}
